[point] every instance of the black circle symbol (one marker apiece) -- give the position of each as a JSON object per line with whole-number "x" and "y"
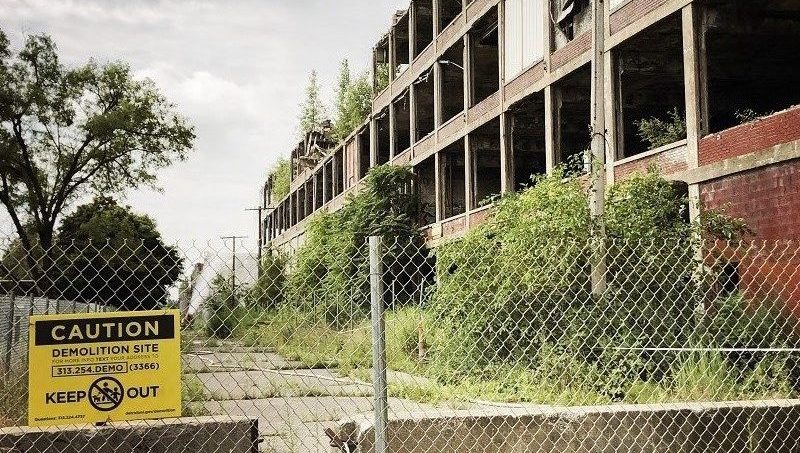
{"x": 105, "y": 394}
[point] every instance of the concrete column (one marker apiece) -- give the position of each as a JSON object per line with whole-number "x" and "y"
{"x": 548, "y": 34}
{"x": 612, "y": 95}
{"x": 436, "y": 20}
{"x": 373, "y": 142}
{"x": 552, "y": 127}
{"x": 469, "y": 173}
{"x": 392, "y": 56}
{"x": 412, "y": 32}
{"x": 439, "y": 186}
{"x": 469, "y": 92}
{"x": 437, "y": 94}
{"x": 506, "y": 154}
{"x": 695, "y": 83}
{"x": 501, "y": 50}
{"x": 412, "y": 113}
{"x": 392, "y": 132}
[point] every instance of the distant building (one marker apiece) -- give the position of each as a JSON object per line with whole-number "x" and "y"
{"x": 484, "y": 93}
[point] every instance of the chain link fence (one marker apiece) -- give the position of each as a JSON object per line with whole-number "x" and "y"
{"x": 548, "y": 344}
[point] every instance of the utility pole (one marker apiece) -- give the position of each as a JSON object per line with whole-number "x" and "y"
{"x": 233, "y": 267}
{"x": 597, "y": 174}
{"x": 260, "y": 209}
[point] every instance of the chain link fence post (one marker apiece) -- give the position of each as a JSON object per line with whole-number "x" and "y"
{"x": 10, "y": 332}
{"x": 378, "y": 342}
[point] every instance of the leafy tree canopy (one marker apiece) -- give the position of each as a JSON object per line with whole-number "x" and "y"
{"x": 67, "y": 132}
{"x": 312, "y": 110}
{"x": 110, "y": 254}
{"x": 353, "y": 101}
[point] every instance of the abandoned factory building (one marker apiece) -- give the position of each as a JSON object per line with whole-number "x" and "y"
{"x": 483, "y": 93}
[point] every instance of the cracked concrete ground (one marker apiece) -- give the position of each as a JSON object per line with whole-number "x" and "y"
{"x": 293, "y": 404}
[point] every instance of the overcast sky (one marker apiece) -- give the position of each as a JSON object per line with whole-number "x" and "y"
{"x": 237, "y": 69}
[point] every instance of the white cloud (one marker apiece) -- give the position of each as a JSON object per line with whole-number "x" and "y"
{"x": 237, "y": 70}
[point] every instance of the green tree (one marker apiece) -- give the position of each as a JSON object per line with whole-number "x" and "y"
{"x": 282, "y": 177}
{"x": 109, "y": 254}
{"x": 67, "y": 132}
{"x": 312, "y": 110}
{"x": 353, "y": 101}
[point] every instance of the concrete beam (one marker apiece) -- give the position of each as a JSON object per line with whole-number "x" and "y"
{"x": 752, "y": 161}
{"x": 754, "y": 426}
{"x": 195, "y": 435}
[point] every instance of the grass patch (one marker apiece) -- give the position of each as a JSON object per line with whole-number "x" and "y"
{"x": 193, "y": 395}
{"x": 13, "y": 399}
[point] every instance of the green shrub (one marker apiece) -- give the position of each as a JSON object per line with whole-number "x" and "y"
{"x": 659, "y": 132}
{"x": 268, "y": 292}
{"x": 331, "y": 267}
{"x": 223, "y": 309}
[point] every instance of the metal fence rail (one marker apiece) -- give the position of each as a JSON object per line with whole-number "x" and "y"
{"x": 387, "y": 345}
{"x": 14, "y": 313}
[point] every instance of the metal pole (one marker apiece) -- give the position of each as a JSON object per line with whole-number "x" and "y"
{"x": 10, "y": 333}
{"x": 378, "y": 343}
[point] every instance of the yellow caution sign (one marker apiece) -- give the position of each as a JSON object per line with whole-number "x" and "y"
{"x": 99, "y": 367}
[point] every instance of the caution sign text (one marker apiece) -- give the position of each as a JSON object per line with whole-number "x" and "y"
{"x": 100, "y": 367}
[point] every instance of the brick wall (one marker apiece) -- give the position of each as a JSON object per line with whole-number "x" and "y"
{"x": 781, "y": 127}
{"x": 576, "y": 47}
{"x": 668, "y": 161}
{"x": 631, "y": 12}
{"x": 524, "y": 80}
{"x": 767, "y": 198}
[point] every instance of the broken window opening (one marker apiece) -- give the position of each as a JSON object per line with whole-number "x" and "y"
{"x": 328, "y": 181}
{"x": 485, "y": 57}
{"x": 425, "y": 181}
{"x": 527, "y": 135}
{"x": 402, "y": 124}
{"x": 318, "y": 189}
{"x": 452, "y": 75}
{"x": 423, "y": 25}
{"x": 424, "y": 107}
{"x": 364, "y": 139}
{"x": 380, "y": 73}
{"x": 753, "y": 50}
{"x": 448, "y": 11}
{"x": 308, "y": 189}
{"x": 571, "y": 117}
{"x": 651, "y": 107}
{"x": 569, "y": 19}
{"x": 338, "y": 172}
{"x": 384, "y": 138}
{"x": 453, "y": 176}
{"x": 485, "y": 144}
{"x": 401, "y": 44}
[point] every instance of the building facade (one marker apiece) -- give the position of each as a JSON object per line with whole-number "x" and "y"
{"x": 483, "y": 93}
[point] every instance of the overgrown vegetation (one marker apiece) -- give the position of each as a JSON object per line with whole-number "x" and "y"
{"x": 353, "y": 101}
{"x": 13, "y": 399}
{"x": 331, "y": 268}
{"x": 281, "y": 174}
{"x": 511, "y": 315}
{"x": 312, "y": 110}
{"x": 658, "y": 132}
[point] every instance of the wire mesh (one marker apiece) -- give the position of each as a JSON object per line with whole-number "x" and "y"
{"x": 677, "y": 345}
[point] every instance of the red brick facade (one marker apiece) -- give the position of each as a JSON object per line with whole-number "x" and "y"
{"x": 667, "y": 162}
{"x": 768, "y": 199}
{"x": 631, "y": 12}
{"x": 758, "y": 135}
